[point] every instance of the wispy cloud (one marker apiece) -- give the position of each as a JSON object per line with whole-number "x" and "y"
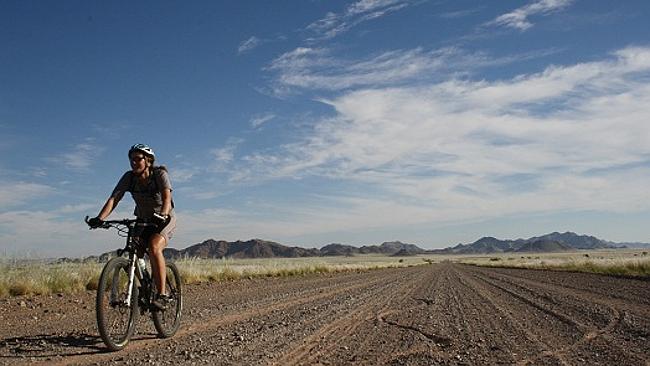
{"x": 570, "y": 137}
{"x": 254, "y": 42}
{"x": 183, "y": 174}
{"x": 46, "y": 234}
{"x": 258, "y": 120}
{"x": 361, "y": 11}
{"x": 310, "y": 68}
{"x": 80, "y": 157}
{"x": 317, "y": 69}
{"x": 248, "y": 45}
{"x": 81, "y": 207}
{"x": 16, "y": 193}
{"x": 519, "y": 18}
{"x": 460, "y": 13}
{"x": 224, "y": 156}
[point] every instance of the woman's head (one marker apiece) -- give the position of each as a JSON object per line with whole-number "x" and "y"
{"x": 142, "y": 148}
{"x": 141, "y": 158}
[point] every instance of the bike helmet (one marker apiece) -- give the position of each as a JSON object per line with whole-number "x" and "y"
{"x": 143, "y": 148}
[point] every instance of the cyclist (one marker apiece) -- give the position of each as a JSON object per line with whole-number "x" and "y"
{"x": 151, "y": 190}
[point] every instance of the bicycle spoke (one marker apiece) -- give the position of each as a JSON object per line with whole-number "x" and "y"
{"x": 168, "y": 320}
{"x": 115, "y": 318}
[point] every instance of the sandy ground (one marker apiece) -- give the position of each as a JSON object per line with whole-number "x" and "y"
{"x": 442, "y": 314}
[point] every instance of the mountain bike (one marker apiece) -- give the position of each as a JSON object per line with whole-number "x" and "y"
{"x": 126, "y": 290}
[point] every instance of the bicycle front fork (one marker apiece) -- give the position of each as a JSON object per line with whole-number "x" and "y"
{"x": 115, "y": 290}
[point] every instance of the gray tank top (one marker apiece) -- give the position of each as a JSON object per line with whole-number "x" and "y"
{"x": 148, "y": 198}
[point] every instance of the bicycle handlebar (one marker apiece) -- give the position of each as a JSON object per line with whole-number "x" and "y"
{"x": 126, "y": 222}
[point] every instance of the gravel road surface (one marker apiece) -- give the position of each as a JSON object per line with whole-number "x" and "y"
{"x": 440, "y": 314}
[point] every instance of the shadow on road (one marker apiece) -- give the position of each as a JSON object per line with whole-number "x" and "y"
{"x": 50, "y": 345}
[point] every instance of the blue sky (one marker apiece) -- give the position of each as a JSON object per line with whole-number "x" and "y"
{"x": 311, "y": 122}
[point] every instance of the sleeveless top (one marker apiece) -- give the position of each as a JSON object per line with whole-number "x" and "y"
{"x": 148, "y": 198}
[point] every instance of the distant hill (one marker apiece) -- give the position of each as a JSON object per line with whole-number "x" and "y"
{"x": 632, "y": 245}
{"x": 254, "y": 248}
{"x": 575, "y": 241}
{"x": 335, "y": 249}
{"x": 257, "y": 248}
{"x": 546, "y": 243}
{"x": 386, "y": 248}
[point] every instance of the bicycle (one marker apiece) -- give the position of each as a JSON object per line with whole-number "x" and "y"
{"x": 120, "y": 300}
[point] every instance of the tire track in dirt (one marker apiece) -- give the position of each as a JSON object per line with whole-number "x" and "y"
{"x": 329, "y": 338}
{"x": 444, "y": 314}
{"x": 601, "y": 315}
{"x": 536, "y": 344}
{"x": 247, "y": 303}
{"x": 611, "y": 296}
{"x": 254, "y": 309}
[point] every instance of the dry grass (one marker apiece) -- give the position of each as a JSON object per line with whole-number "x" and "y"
{"x": 38, "y": 277}
{"x": 32, "y": 278}
{"x": 611, "y": 262}
{"x": 201, "y": 270}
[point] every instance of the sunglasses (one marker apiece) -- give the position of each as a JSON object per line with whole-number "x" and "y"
{"x": 137, "y": 159}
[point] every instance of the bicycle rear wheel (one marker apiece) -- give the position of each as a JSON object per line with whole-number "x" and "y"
{"x": 167, "y": 321}
{"x": 115, "y": 317}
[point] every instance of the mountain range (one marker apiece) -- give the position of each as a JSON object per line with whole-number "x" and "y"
{"x": 257, "y": 248}
{"x": 553, "y": 242}
{"x": 254, "y": 248}
{"x": 391, "y": 248}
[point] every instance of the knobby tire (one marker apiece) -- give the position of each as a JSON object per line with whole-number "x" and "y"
{"x": 167, "y": 321}
{"x": 115, "y": 320}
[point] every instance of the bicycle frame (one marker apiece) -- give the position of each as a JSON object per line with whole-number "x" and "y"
{"x": 130, "y": 227}
{"x": 111, "y": 302}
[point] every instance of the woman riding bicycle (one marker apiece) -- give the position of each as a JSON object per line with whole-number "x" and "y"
{"x": 151, "y": 190}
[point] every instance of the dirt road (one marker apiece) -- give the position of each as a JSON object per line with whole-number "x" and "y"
{"x": 444, "y": 314}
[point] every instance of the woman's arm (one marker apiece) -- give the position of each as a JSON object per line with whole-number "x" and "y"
{"x": 109, "y": 206}
{"x": 167, "y": 201}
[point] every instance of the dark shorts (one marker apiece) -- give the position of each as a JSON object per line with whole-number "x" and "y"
{"x": 166, "y": 232}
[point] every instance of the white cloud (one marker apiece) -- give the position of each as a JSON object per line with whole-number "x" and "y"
{"x": 460, "y": 13}
{"x": 81, "y": 157}
{"x": 225, "y": 155}
{"x": 568, "y": 138}
{"x": 81, "y": 207}
{"x": 258, "y": 120}
{"x": 16, "y": 193}
{"x": 249, "y": 44}
{"x": 57, "y": 233}
{"x": 333, "y": 24}
{"x": 518, "y": 18}
{"x": 183, "y": 174}
{"x": 316, "y": 68}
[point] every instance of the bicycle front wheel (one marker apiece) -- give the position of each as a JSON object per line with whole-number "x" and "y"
{"x": 168, "y": 320}
{"x": 116, "y": 317}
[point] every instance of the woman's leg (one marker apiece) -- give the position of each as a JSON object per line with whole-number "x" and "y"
{"x": 156, "y": 245}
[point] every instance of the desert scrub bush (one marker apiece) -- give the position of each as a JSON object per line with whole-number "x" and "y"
{"x": 35, "y": 278}
{"x": 39, "y": 277}
{"x": 616, "y": 263}
{"x": 93, "y": 283}
{"x": 621, "y": 267}
{"x": 226, "y": 269}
